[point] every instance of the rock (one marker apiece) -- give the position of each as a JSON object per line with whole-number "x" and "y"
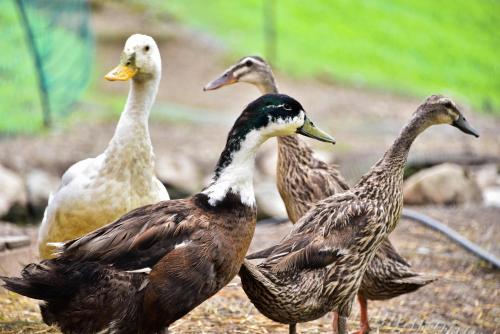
{"x": 13, "y": 242}
{"x": 487, "y": 175}
{"x": 179, "y": 172}
{"x": 492, "y": 196}
{"x": 269, "y": 203}
{"x": 40, "y": 185}
{"x": 13, "y": 196}
{"x": 442, "y": 184}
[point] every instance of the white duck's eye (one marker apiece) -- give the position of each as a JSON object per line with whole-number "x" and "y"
{"x": 248, "y": 63}
{"x": 146, "y": 48}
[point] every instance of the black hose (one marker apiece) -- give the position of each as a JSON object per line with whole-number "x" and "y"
{"x": 452, "y": 235}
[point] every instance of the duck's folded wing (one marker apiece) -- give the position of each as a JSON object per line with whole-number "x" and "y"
{"x": 140, "y": 238}
{"x": 333, "y": 226}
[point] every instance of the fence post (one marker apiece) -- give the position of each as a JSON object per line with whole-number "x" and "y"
{"x": 42, "y": 82}
{"x": 270, "y": 30}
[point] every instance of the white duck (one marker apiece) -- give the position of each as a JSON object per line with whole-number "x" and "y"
{"x": 96, "y": 191}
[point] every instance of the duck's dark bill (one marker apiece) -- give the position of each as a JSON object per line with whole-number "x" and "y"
{"x": 463, "y": 125}
{"x": 309, "y": 130}
{"x": 225, "y": 79}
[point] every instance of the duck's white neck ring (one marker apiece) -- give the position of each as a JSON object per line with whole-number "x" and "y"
{"x": 234, "y": 172}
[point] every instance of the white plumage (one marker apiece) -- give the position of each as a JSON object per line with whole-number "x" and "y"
{"x": 96, "y": 191}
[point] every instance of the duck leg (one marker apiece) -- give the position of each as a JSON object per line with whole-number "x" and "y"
{"x": 335, "y": 323}
{"x": 342, "y": 325}
{"x": 363, "y": 314}
{"x": 292, "y": 329}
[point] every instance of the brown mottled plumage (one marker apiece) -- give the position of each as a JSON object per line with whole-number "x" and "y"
{"x": 304, "y": 180}
{"x": 320, "y": 265}
{"x": 149, "y": 268}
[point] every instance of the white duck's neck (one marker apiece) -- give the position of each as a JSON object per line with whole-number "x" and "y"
{"x": 131, "y": 140}
{"x": 234, "y": 171}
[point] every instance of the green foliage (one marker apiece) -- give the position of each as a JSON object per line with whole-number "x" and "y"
{"x": 65, "y": 46}
{"x": 19, "y": 106}
{"x": 418, "y": 47}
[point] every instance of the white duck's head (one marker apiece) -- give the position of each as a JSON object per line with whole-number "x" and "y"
{"x": 140, "y": 60}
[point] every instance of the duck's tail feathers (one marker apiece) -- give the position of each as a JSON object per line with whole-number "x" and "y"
{"x": 251, "y": 276}
{"x": 40, "y": 281}
{"x": 80, "y": 297}
{"x": 415, "y": 282}
{"x": 261, "y": 254}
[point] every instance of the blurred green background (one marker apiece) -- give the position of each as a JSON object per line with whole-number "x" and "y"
{"x": 408, "y": 47}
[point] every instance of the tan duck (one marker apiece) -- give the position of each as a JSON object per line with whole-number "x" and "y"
{"x": 303, "y": 180}
{"x": 319, "y": 266}
{"x": 152, "y": 266}
{"x": 96, "y": 191}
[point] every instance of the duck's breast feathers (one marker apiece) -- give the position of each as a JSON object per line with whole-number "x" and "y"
{"x": 141, "y": 237}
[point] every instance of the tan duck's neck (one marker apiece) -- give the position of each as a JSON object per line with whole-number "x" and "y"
{"x": 389, "y": 169}
{"x": 131, "y": 140}
{"x": 395, "y": 157}
{"x": 267, "y": 86}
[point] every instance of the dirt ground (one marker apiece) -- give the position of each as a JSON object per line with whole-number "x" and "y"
{"x": 464, "y": 299}
{"x": 364, "y": 122}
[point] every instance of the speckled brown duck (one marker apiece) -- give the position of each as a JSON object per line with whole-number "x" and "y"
{"x": 153, "y": 265}
{"x": 303, "y": 180}
{"x": 319, "y": 266}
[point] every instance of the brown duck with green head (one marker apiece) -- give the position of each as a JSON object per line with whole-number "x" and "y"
{"x": 156, "y": 263}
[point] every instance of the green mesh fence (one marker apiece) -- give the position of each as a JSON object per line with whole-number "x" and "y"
{"x": 46, "y": 51}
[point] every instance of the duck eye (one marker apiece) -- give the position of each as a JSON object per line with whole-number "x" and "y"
{"x": 287, "y": 106}
{"x": 248, "y": 63}
{"x": 128, "y": 63}
{"x": 146, "y": 48}
{"x": 448, "y": 104}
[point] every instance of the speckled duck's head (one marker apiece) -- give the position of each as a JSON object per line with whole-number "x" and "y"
{"x": 438, "y": 109}
{"x": 270, "y": 115}
{"x": 140, "y": 60}
{"x": 250, "y": 69}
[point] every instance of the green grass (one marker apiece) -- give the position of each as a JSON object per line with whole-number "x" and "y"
{"x": 66, "y": 55}
{"x": 416, "y": 47}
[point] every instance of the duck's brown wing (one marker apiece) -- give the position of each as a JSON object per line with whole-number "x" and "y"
{"x": 140, "y": 238}
{"x": 322, "y": 235}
